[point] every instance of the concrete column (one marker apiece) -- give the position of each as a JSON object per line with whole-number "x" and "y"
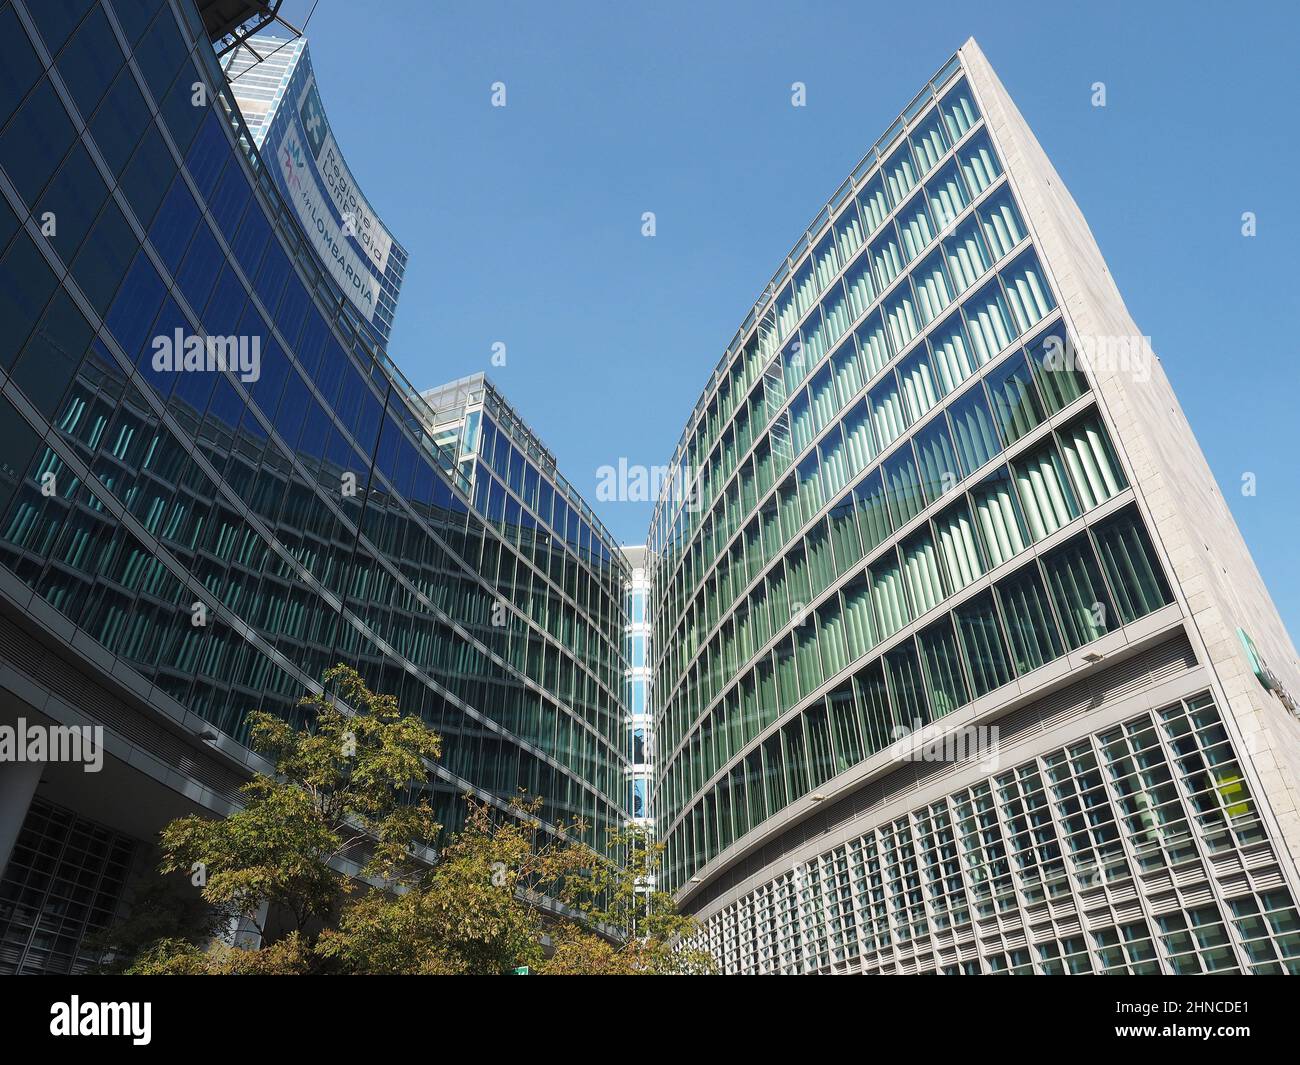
{"x": 18, "y": 782}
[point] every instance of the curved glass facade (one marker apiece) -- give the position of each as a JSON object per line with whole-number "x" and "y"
{"x": 226, "y": 536}
{"x": 896, "y": 497}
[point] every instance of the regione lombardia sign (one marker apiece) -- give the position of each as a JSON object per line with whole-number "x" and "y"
{"x": 338, "y": 219}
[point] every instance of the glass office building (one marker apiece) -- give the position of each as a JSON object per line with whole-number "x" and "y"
{"x": 487, "y": 442}
{"x": 960, "y": 662}
{"x": 215, "y": 484}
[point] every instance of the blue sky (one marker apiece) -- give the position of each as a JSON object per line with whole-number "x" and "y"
{"x": 523, "y": 223}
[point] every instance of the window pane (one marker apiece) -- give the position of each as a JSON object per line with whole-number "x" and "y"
{"x": 1014, "y": 400}
{"x": 914, "y": 227}
{"x": 826, "y": 264}
{"x": 958, "y": 545}
{"x": 858, "y": 624}
{"x": 921, "y": 568}
{"x": 1131, "y": 564}
{"x": 1055, "y": 365}
{"x": 1088, "y": 455}
{"x": 846, "y": 371}
{"x": 1045, "y": 493}
{"x": 903, "y": 485}
{"x": 959, "y": 112}
{"x": 981, "y": 639}
{"x": 26, "y": 282}
{"x": 873, "y": 345}
{"x": 873, "y": 204}
{"x": 1003, "y": 229}
{"x": 933, "y": 290}
{"x": 906, "y": 688}
{"x": 937, "y": 459}
{"x": 35, "y": 140}
{"x": 1078, "y": 591}
{"x": 888, "y": 415}
{"x": 967, "y": 254}
{"x": 979, "y": 163}
{"x": 844, "y": 534}
{"x": 873, "y": 704}
{"x": 901, "y": 316}
{"x": 998, "y": 516}
{"x": 1031, "y": 627}
{"x": 860, "y": 449}
{"x": 943, "y": 668}
{"x": 947, "y": 194}
{"x": 886, "y": 257}
{"x": 873, "y": 512}
{"x": 19, "y": 67}
{"x": 888, "y": 595}
{"x": 848, "y": 233}
{"x": 845, "y": 727}
{"x": 950, "y": 349}
{"x": 921, "y": 390}
{"x": 900, "y": 173}
{"x": 1028, "y": 292}
{"x": 973, "y": 433}
{"x": 928, "y": 140}
{"x": 988, "y": 321}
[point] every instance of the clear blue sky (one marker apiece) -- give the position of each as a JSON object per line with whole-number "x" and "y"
{"x": 523, "y": 223}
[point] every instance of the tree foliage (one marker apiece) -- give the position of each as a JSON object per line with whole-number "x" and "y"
{"x": 349, "y": 788}
{"x": 620, "y": 892}
{"x": 340, "y": 788}
{"x": 467, "y": 916}
{"x": 162, "y": 908}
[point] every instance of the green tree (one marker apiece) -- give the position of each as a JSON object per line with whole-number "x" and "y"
{"x": 472, "y": 913}
{"x": 619, "y": 892}
{"x": 349, "y": 786}
{"x": 177, "y": 957}
{"x": 342, "y": 790}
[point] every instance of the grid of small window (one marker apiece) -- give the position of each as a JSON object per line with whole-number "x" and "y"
{"x": 62, "y": 884}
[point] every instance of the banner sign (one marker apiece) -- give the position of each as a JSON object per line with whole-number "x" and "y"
{"x": 351, "y": 206}
{"x": 339, "y": 220}
{"x": 324, "y": 228}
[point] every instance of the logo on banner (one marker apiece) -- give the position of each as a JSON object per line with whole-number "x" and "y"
{"x": 312, "y": 115}
{"x": 311, "y": 204}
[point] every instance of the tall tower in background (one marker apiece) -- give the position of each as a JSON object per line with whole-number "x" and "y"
{"x": 274, "y": 84}
{"x": 259, "y": 75}
{"x": 961, "y": 662}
